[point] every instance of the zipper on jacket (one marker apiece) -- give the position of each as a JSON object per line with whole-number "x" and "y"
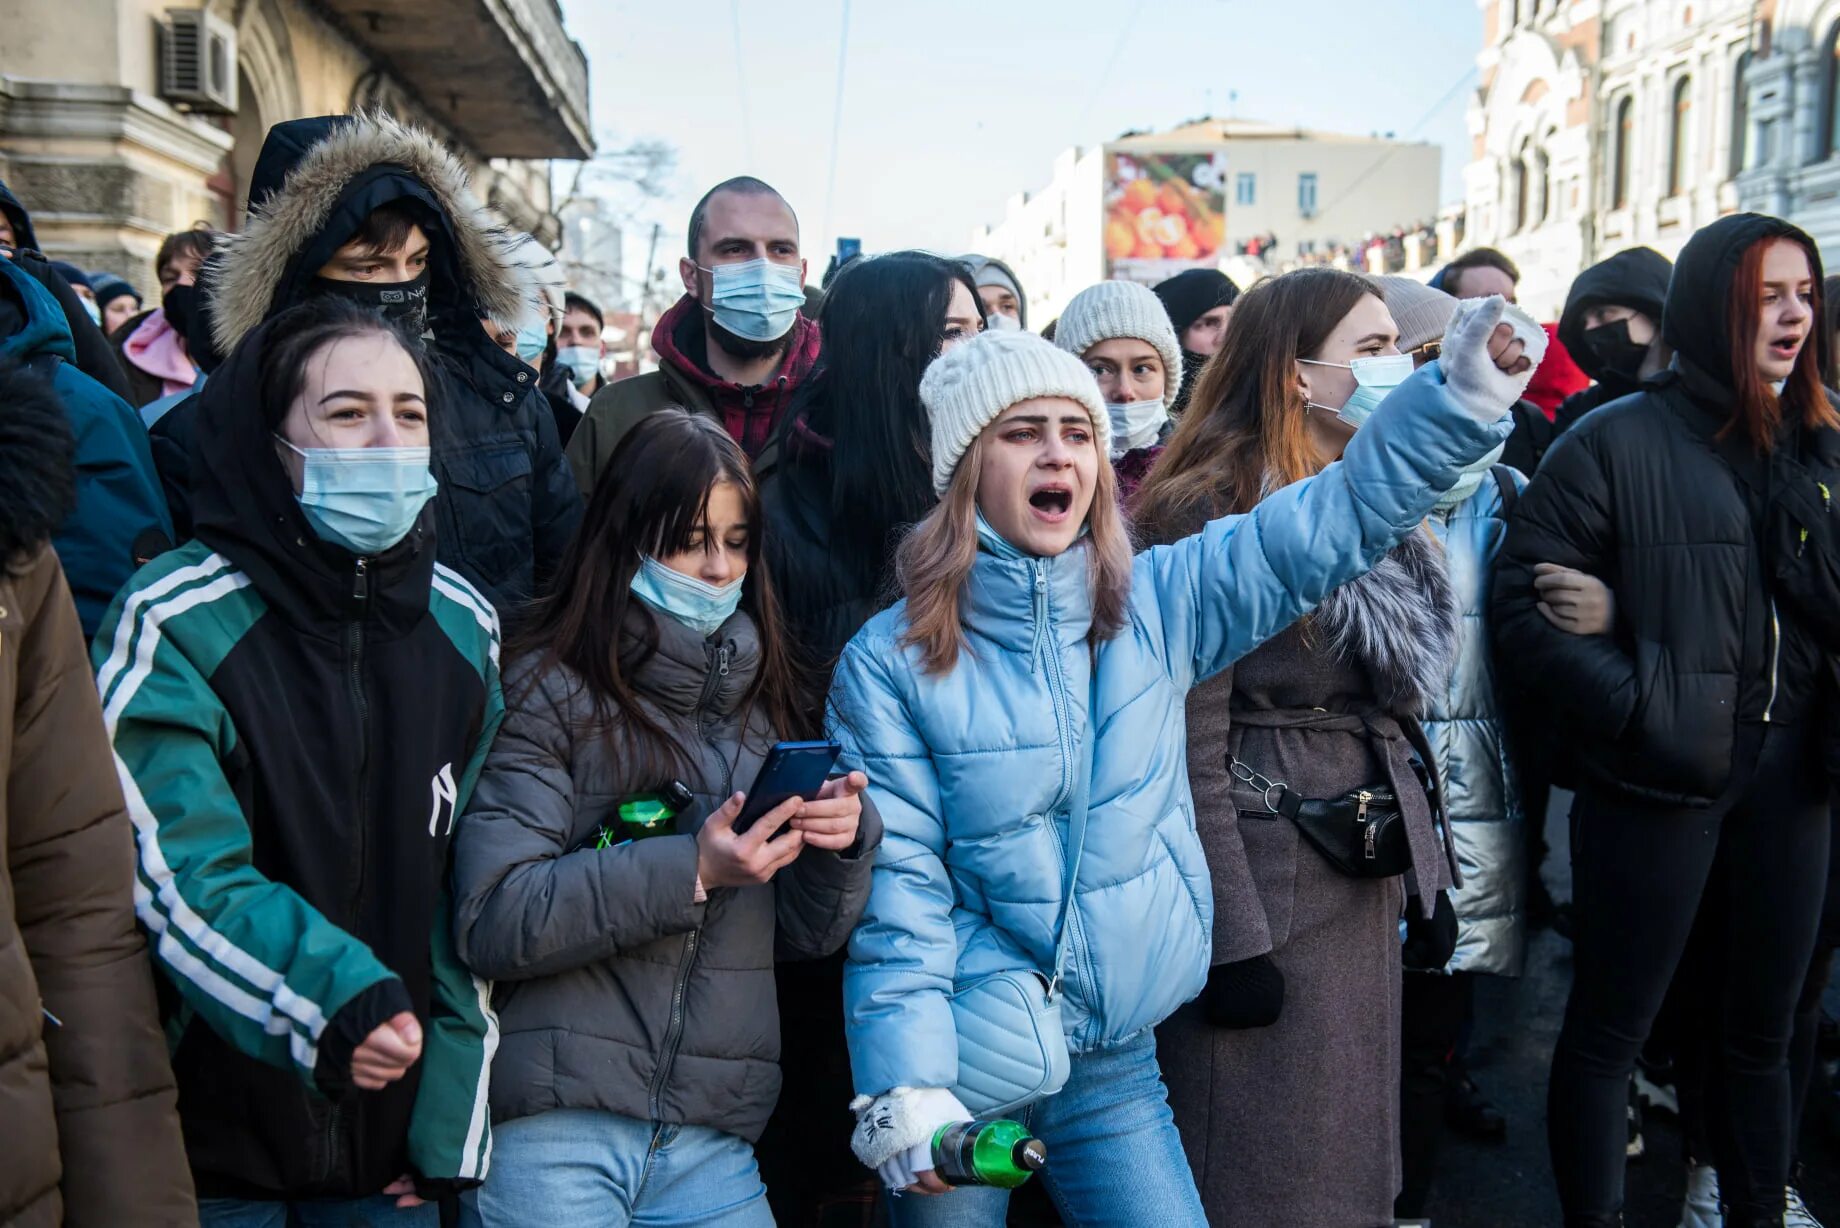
{"x": 1775, "y": 659}
{"x": 1057, "y": 688}
{"x": 674, "y": 1029}
{"x": 354, "y": 653}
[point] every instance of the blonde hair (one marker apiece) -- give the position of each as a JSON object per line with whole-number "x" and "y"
{"x": 935, "y": 559}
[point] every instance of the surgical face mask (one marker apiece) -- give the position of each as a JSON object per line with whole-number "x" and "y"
{"x": 91, "y": 310}
{"x": 403, "y": 303}
{"x": 698, "y": 605}
{"x": 1374, "y": 377}
{"x": 997, "y": 322}
{"x": 1135, "y": 424}
{"x": 758, "y": 300}
{"x": 583, "y": 362}
{"x": 364, "y": 499}
{"x": 531, "y": 342}
{"x": 1615, "y": 352}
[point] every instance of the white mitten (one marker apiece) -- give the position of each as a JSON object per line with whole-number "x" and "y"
{"x": 892, "y": 1126}
{"x": 1480, "y": 386}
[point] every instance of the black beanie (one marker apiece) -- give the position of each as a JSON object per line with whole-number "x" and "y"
{"x": 1191, "y": 294}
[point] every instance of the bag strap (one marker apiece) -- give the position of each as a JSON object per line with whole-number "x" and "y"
{"x": 1078, "y": 805}
{"x": 1510, "y": 493}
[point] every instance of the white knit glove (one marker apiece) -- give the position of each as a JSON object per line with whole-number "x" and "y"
{"x": 894, "y": 1131}
{"x": 1481, "y": 387}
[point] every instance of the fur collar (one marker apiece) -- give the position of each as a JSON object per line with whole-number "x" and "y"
{"x": 1400, "y": 620}
{"x": 499, "y": 266}
{"x": 37, "y": 482}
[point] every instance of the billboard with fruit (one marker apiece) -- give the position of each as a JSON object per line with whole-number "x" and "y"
{"x": 1164, "y": 212}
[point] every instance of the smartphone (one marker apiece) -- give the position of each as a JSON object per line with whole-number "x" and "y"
{"x": 792, "y": 769}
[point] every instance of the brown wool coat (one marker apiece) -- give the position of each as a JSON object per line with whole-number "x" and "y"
{"x": 89, "y": 1127}
{"x": 1314, "y": 1097}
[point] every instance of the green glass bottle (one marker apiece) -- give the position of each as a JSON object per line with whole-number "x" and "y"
{"x": 1000, "y": 1153}
{"x": 647, "y": 814}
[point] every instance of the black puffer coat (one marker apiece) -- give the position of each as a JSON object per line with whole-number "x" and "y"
{"x": 1645, "y": 496}
{"x": 616, "y": 990}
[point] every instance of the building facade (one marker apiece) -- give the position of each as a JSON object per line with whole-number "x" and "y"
{"x": 113, "y": 144}
{"x": 1308, "y": 191}
{"x": 1605, "y": 124}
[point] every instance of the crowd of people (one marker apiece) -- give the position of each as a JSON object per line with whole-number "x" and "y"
{"x": 386, "y": 688}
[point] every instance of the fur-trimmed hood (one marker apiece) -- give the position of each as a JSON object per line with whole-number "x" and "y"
{"x": 1400, "y": 620}
{"x": 318, "y": 179}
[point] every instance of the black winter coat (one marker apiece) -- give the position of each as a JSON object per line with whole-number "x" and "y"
{"x": 1644, "y": 495}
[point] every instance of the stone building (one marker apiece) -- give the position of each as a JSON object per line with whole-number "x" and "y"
{"x": 112, "y": 147}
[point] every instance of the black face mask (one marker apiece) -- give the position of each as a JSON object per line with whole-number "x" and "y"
{"x": 1615, "y": 352}
{"x": 403, "y": 303}
{"x": 178, "y": 304}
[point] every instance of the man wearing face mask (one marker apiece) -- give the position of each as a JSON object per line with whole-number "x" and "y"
{"x": 370, "y": 210}
{"x": 736, "y": 346}
{"x": 1612, "y": 327}
{"x": 999, "y": 292}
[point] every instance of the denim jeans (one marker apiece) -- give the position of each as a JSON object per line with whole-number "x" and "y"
{"x": 1114, "y": 1157}
{"x": 332, "y": 1213}
{"x": 588, "y": 1168}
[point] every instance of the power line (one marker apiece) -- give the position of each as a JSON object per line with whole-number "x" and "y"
{"x": 843, "y": 55}
{"x": 747, "y": 119}
{"x": 1410, "y": 132}
{"x": 1105, "y": 75}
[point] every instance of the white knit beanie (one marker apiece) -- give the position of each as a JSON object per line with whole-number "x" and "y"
{"x": 970, "y": 386}
{"x": 1114, "y": 309}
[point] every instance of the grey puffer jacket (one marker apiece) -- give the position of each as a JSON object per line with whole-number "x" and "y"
{"x": 615, "y": 990}
{"x": 1465, "y": 727}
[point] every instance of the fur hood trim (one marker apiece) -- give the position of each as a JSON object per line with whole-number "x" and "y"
{"x": 496, "y": 264}
{"x": 37, "y": 480}
{"x": 1401, "y": 621}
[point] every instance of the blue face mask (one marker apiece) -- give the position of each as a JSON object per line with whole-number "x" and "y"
{"x": 1373, "y": 378}
{"x": 364, "y": 499}
{"x": 700, "y": 606}
{"x": 757, "y": 300}
{"x": 531, "y": 342}
{"x": 583, "y": 362}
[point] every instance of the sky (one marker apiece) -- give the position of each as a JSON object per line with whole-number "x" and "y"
{"x": 948, "y": 108}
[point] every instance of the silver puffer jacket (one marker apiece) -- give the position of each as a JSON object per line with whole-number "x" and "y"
{"x": 1465, "y": 729}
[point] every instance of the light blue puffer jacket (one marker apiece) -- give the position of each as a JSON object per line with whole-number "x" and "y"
{"x": 1464, "y": 728}
{"x": 971, "y": 770}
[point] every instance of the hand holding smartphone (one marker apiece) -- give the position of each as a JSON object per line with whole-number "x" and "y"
{"x": 792, "y": 769}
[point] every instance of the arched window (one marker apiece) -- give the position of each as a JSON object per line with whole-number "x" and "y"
{"x": 1621, "y": 134}
{"x": 1541, "y": 170}
{"x": 1833, "y": 89}
{"x": 1521, "y": 173}
{"x": 1680, "y": 136}
{"x": 1742, "y": 154}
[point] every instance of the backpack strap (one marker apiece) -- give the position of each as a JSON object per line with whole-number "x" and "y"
{"x": 1510, "y": 492}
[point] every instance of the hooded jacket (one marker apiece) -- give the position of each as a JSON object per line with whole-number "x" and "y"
{"x": 25, "y": 238}
{"x": 683, "y": 378}
{"x": 1645, "y": 496}
{"x": 615, "y": 989}
{"x": 973, "y": 769}
{"x": 92, "y": 1126}
{"x": 120, "y": 517}
{"x": 507, "y": 506}
{"x": 296, "y": 730}
{"x": 1638, "y": 278}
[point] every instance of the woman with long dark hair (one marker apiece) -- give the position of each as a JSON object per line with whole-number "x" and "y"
{"x": 1020, "y": 715}
{"x": 1697, "y": 699}
{"x": 854, "y": 474}
{"x": 1310, "y": 734}
{"x": 601, "y": 883}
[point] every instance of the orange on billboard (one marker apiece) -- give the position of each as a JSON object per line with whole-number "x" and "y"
{"x": 1164, "y": 212}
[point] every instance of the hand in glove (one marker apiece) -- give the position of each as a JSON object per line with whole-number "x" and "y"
{"x": 1491, "y": 348}
{"x": 1574, "y": 601}
{"x": 894, "y": 1135}
{"x": 1247, "y": 993}
{"x": 1430, "y": 941}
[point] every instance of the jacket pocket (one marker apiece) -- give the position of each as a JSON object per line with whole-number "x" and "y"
{"x": 487, "y": 499}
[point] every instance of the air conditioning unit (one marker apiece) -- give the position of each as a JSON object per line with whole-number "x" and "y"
{"x": 198, "y": 61}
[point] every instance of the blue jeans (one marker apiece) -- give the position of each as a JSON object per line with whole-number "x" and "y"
{"x": 587, "y": 1168}
{"x": 1114, "y": 1157}
{"x": 333, "y": 1213}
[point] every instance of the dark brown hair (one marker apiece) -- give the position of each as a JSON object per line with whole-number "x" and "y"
{"x": 653, "y": 499}
{"x": 1476, "y": 258}
{"x": 194, "y": 244}
{"x": 1759, "y": 411}
{"x": 1245, "y": 419}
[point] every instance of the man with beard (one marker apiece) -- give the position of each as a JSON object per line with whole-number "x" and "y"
{"x": 735, "y": 346}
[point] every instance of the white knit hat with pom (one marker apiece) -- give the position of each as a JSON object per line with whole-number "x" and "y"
{"x": 970, "y": 386}
{"x": 1109, "y": 310}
